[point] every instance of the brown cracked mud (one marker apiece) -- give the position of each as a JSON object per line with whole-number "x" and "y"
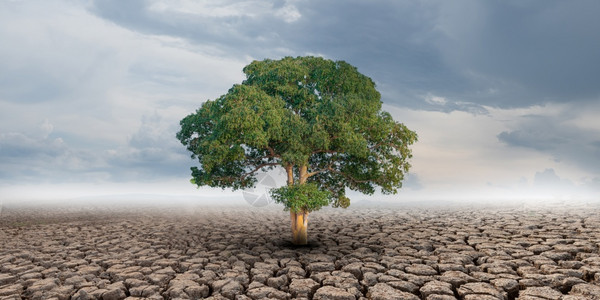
{"x": 245, "y": 253}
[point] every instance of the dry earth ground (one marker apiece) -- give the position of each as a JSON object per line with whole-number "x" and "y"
{"x": 244, "y": 253}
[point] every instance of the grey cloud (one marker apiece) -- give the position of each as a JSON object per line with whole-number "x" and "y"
{"x": 549, "y": 181}
{"x": 228, "y": 33}
{"x": 45, "y": 62}
{"x": 30, "y": 158}
{"x": 472, "y": 54}
{"x": 554, "y": 136}
{"x": 153, "y": 152}
{"x": 594, "y": 184}
{"x": 544, "y": 50}
{"x": 535, "y": 138}
{"x": 596, "y": 146}
{"x": 151, "y": 133}
{"x": 382, "y": 40}
{"x": 18, "y": 146}
{"x": 147, "y": 164}
{"x": 501, "y": 54}
{"x": 548, "y": 178}
{"x": 45, "y": 88}
{"x": 412, "y": 182}
{"x": 90, "y": 78}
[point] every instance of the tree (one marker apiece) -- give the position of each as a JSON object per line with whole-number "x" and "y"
{"x": 320, "y": 120}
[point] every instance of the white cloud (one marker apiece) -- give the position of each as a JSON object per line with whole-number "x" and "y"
{"x": 586, "y": 117}
{"x": 289, "y": 13}
{"x": 226, "y": 9}
{"x": 29, "y": 157}
{"x": 46, "y": 128}
{"x": 212, "y": 9}
{"x": 104, "y": 79}
{"x": 435, "y": 100}
{"x": 81, "y": 69}
{"x": 460, "y": 149}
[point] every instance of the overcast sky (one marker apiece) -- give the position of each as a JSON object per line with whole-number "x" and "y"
{"x": 503, "y": 94}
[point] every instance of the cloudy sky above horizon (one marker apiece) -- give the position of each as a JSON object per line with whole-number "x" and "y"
{"x": 503, "y": 94}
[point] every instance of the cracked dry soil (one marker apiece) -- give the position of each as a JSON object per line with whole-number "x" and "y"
{"x": 244, "y": 253}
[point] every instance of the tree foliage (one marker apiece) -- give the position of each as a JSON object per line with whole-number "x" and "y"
{"x": 319, "y": 119}
{"x": 301, "y": 197}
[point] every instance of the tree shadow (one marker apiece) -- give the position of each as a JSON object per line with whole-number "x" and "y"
{"x": 287, "y": 244}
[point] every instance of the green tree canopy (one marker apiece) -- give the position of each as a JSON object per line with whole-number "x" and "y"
{"x": 319, "y": 119}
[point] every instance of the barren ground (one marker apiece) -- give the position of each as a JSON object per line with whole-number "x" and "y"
{"x": 244, "y": 253}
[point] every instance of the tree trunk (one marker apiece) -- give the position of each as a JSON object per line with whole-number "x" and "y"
{"x": 299, "y": 226}
{"x": 303, "y": 174}
{"x": 289, "y": 169}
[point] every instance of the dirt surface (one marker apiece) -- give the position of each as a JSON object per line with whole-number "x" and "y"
{"x": 245, "y": 253}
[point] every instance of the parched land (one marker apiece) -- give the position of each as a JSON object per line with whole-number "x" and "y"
{"x": 245, "y": 253}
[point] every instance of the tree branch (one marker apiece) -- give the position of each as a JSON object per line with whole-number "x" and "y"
{"x": 258, "y": 168}
{"x": 272, "y": 152}
{"x": 347, "y": 176}
{"x": 389, "y": 144}
{"x": 323, "y": 151}
{"x": 329, "y": 168}
{"x": 319, "y": 171}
